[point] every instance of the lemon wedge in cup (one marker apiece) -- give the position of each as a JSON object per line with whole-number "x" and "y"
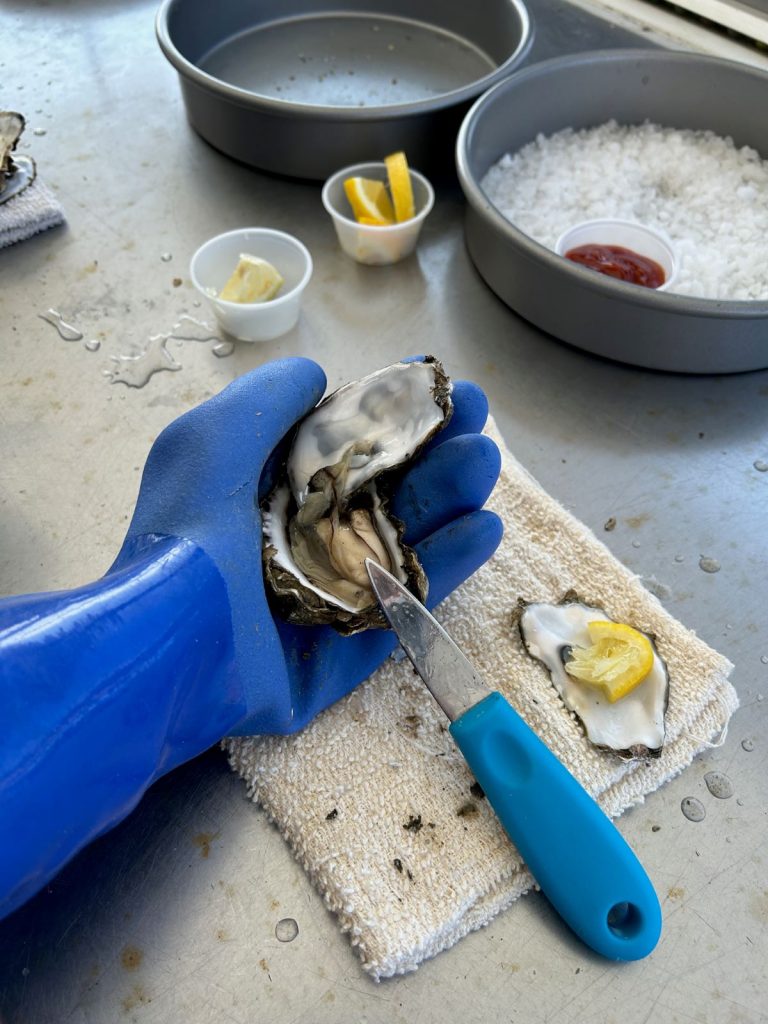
{"x": 370, "y": 201}
{"x": 618, "y": 659}
{"x": 253, "y": 280}
{"x": 400, "y": 186}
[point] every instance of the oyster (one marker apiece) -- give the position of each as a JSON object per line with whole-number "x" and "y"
{"x": 15, "y": 173}
{"x": 11, "y": 127}
{"x": 329, "y": 512}
{"x": 633, "y": 726}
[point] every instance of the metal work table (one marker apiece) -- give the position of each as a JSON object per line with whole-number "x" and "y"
{"x": 171, "y": 917}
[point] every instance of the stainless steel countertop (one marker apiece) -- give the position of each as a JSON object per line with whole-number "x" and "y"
{"x": 172, "y": 916}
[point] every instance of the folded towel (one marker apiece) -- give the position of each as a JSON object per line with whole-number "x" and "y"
{"x": 375, "y": 799}
{"x": 33, "y": 210}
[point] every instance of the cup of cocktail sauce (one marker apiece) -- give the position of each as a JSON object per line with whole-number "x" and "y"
{"x": 621, "y": 249}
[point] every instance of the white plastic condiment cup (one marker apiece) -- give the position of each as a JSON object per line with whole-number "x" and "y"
{"x": 365, "y": 242}
{"x": 638, "y": 237}
{"x": 215, "y": 261}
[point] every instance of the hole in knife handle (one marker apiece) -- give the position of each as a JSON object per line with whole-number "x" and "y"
{"x": 625, "y": 920}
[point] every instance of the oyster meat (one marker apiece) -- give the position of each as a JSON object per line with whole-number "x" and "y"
{"x": 632, "y": 726}
{"x": 329, "y": 512}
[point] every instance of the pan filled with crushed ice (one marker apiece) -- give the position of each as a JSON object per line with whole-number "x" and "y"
{"x": 587, "y": 147}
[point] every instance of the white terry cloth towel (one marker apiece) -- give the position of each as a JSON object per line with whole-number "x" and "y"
{"x": 31, "y": 211}
{"x": 373, "y": 796}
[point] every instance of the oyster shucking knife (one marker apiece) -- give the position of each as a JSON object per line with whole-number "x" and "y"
{"x": 582, "y": 863}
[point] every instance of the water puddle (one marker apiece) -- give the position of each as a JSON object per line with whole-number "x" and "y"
{"x": 135, "y": 371}
{"x": 189, "y": 328}
{"x": 66, "y": 331}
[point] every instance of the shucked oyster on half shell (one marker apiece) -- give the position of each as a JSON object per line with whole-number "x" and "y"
{"x": 633, "y": 726}
{"x": 329, "y": 512}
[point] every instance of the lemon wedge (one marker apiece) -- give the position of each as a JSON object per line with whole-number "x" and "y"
{"x": 253, "y": 280}
{"x": 618, "y": 660}
{"x": 400, "y": 186}
{"x": 370, "y": 201}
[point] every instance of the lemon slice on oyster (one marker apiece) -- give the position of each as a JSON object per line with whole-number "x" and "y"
{"x": 617, "y": 661}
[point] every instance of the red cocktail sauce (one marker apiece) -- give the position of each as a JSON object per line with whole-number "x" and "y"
{"x": 616, "y": 261}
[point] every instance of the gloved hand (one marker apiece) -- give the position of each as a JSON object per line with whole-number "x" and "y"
{"x": 106, "y": 687}
{"x": 200, "y": 480}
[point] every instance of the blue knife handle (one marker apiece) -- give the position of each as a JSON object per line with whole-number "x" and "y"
{"x": 583, "y": 865}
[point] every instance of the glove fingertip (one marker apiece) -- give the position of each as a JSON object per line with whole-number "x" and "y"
{"x": 452, "y": 554}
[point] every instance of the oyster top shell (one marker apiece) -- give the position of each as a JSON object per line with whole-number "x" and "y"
{"x": 376, "y": 423}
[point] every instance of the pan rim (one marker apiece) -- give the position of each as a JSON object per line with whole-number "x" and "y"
{"x": 280, "y": 107}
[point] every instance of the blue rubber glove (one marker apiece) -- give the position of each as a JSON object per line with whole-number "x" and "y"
{"x": 109, "y": 686}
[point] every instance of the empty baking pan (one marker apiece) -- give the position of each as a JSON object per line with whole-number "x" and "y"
{"x": 301, "y": 89}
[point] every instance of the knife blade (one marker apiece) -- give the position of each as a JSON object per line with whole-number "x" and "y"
{"x": 584, "y": 867}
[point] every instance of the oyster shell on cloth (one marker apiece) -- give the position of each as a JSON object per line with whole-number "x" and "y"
{"x": 329, "y": 512}
{"x": 16, "y": 173}
{"x": 632, "y": 726}
{"x": 11, "y": 127}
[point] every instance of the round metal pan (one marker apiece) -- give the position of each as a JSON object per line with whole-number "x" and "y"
{"x": 300, "y": 89}
{"x": 602, "y": 315}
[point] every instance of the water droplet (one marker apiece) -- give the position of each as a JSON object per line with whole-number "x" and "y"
{"x": 39, "y": 131}
{"x": 748, "y": 744}
{"x": 135, "y": 371}
{"x": 679, "y": 558}
{"x": 719, "y": 785}
{"x": 764, "y": 659}
{"x": 693, "y": 809}
{"x": 760, "y": 466}
{"x": 709, "y": 564}
{"x": 759, "y": 696}
{"x": 656, "y": 587}
{"x": 224, "y": 349}
{"x": 166, "y": 257}
{"x": 93, "y": 345}
{"x": 286, "y": 930}
{"x": 635, "y": 543}
{"x": 66, "y": 331}
{"x": 739, "y": 801}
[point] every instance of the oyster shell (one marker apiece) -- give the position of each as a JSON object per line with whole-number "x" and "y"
{"x": 11, "y": 127}
{"x": 633, "y": 726}
{"x": 16, "y": 173}
{"x": 329, "y": 512}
